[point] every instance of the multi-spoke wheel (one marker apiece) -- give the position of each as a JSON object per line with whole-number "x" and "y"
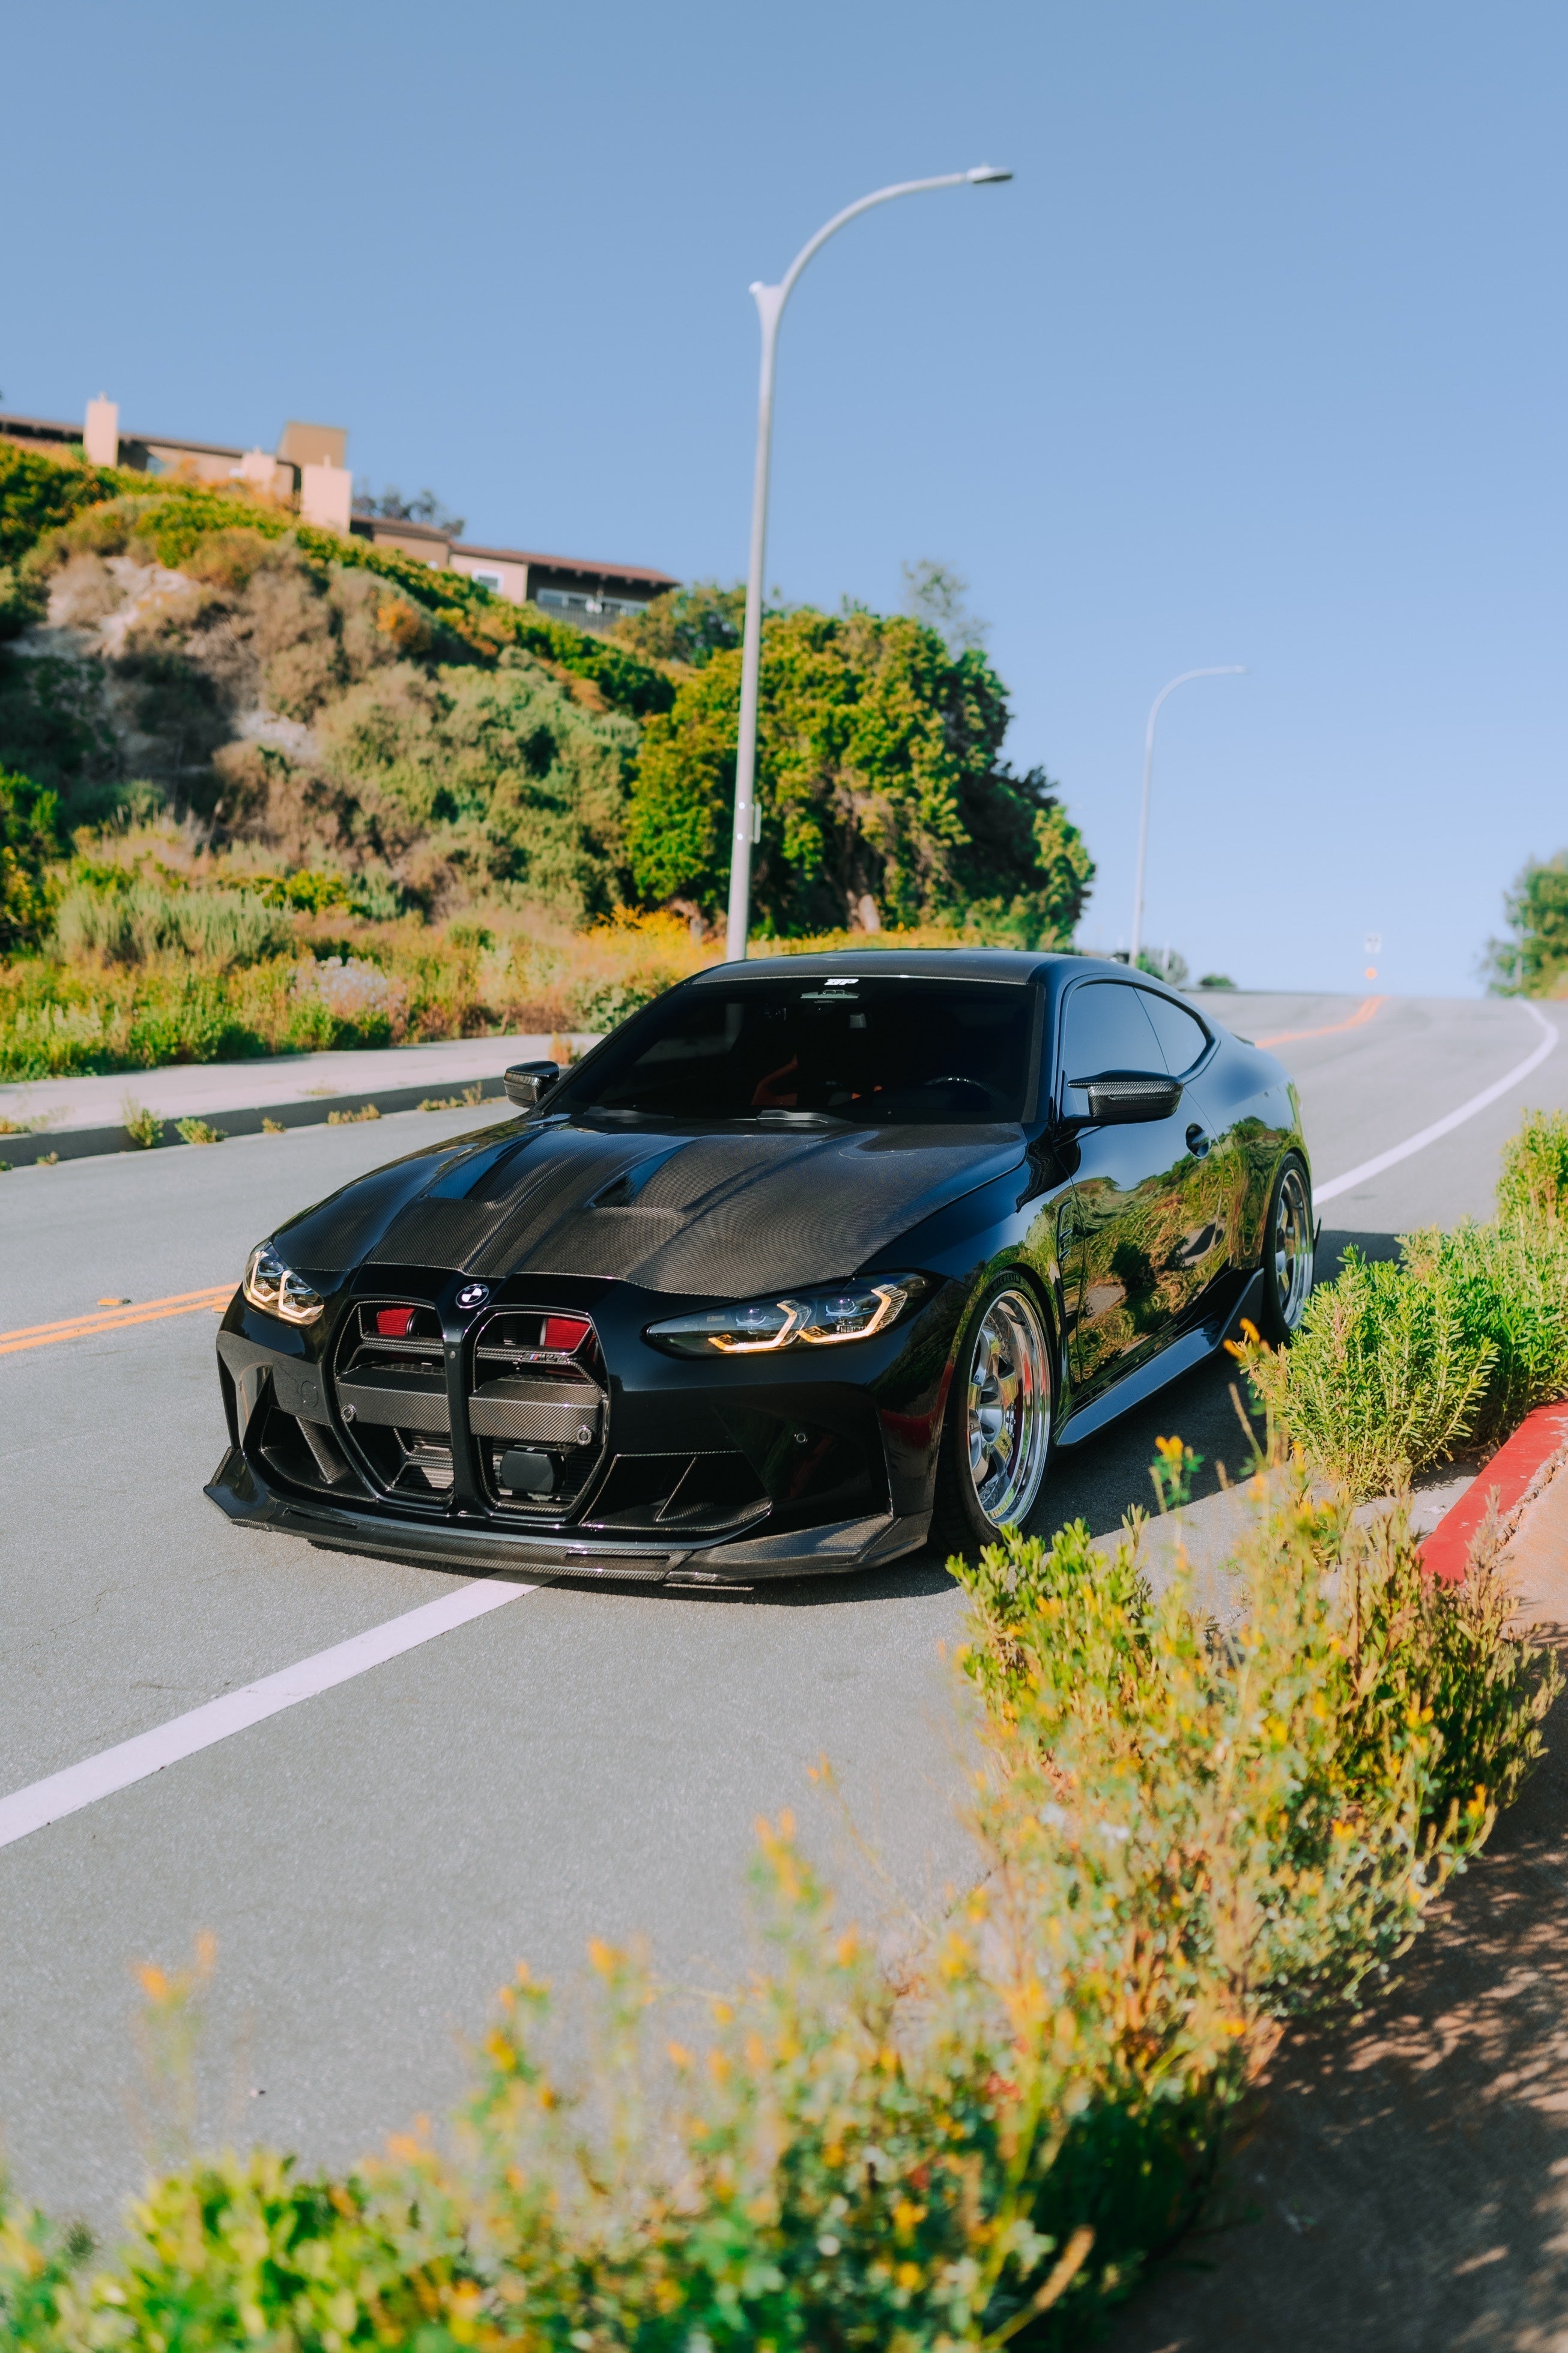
{"x": 997, "y": 1439}
{"x": 1288, "y": 1245}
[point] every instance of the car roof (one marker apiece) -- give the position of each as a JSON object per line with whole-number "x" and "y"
{"x": 1015, "y": 964}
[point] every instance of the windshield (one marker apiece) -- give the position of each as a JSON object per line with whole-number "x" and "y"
{"x": 782, "y": 1053}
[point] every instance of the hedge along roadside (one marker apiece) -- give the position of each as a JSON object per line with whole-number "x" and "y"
{"x": 1399, "y": 1365}
{"x": 968, "y": 2133}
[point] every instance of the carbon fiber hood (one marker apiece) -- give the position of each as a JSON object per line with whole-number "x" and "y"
{"x": 720, "y": 1212}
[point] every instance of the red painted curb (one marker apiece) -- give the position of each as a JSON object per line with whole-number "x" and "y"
{"x": 1447, "y": 1551}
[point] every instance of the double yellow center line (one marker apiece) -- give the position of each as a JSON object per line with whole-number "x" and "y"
{"x": 114, "y": 1319}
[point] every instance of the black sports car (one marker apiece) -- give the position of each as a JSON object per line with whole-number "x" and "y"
{"x": 815, "y": 1258}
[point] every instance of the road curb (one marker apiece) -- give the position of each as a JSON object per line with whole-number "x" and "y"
{"x": 86, "y": 1143}
{"x": 1510, "y": 1478}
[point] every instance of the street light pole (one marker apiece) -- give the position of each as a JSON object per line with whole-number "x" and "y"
{"x": 1223, "y": 669}
{"x": 770, "y": 302}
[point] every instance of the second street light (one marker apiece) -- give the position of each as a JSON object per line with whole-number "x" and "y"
{"x": 770, "y": 302}
{"x": 1221, "y": 669}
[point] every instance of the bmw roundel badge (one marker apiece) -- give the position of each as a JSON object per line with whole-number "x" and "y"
{"x": 473, "y": 1295}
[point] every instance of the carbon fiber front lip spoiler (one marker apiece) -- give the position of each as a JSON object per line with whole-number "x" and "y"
{"x": 834, "y": 1550}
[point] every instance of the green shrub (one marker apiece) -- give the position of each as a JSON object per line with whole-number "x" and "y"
{"x": 1509, "y": 1282}
{"x": 1268, "y": 1810}
{"x": 29, "y": 845}
{"x": 144, "y": 1128}
{"x": 688, "y": 625}
{"x": 142, "y": 919}
{"x": 1397, "y": 1365}
{"x": 23, "y": 600}
{"x": 38, "y": 493}
{"x": 1533, "y": 1182}
{"x": 312, "y": 891}
{"x": 1387, "y": 1374}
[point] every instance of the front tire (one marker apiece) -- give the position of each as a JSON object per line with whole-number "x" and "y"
{"x": 996, "y": 1434}
{"x": 1289, "y": 1247}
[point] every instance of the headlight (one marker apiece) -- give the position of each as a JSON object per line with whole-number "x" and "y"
{"x": 270, "y": 1284}
{"x": 806, "y": 1319}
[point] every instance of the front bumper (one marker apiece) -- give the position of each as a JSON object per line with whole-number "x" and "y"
{"x": 243, "y": 1495}
{"x": 794, "y": 1468}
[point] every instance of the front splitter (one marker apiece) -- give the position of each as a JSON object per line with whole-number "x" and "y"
{"x": 834, "y": 1550}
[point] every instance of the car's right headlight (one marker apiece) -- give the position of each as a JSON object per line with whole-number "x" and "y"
{"x": 823, "y": 1317}
{"x": 271, "y": 1285}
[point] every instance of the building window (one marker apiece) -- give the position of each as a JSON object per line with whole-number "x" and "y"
{"x": 488, "y": 580}
{"x": 578, "y": 600}
{"x": 568, "y": 600}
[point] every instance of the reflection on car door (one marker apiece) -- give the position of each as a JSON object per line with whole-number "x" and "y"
{"x": 1214, "y": 1175}
{"x": 1128, "y": 1277}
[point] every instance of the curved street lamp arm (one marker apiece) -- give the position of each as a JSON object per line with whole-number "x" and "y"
{"x": 880, "y": 197}
{"x": 1220, "y": 670}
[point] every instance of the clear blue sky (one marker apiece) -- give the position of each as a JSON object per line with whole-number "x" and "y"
{"x": 1260, "y": 359}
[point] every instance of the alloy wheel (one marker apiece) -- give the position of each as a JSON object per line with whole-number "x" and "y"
{"x": 1009, "y": 1408}
{"x": 1291, "y": 1244}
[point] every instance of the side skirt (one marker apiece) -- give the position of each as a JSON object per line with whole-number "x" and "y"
{"x": 1182, "y": 1355}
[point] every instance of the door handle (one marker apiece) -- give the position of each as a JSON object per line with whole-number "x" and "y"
{"x": 1197, "y": 1141}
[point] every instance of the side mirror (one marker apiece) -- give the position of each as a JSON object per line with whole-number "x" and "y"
{"x": 1126, "y": 1098}
{"x": 526, "y": 1084}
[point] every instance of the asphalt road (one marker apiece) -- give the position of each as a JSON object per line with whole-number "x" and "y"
{"x": 373, "y": 1861}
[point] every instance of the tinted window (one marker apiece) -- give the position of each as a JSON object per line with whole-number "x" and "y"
{"x": 1180, "y": 1033}
{"x": 1106, "y": 1028}
{"x": 861, "y": 1050}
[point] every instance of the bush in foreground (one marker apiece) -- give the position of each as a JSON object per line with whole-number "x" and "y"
{"x": 974, "y": 2139}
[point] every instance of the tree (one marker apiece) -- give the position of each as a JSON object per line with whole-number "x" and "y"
{"x": 423, "y": 507}
{"x": 686, "y": 625}
{"x": 935, "y": 594}
{"x": 879, "y": 778}
{"x": 29, "y": 846}
{"x": 1534, "y": 957}
{"x": 1168, "y": 965}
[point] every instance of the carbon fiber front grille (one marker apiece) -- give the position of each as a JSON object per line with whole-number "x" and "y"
{"x": 538, "y": 1410}
{"x": 390, "y": 1384}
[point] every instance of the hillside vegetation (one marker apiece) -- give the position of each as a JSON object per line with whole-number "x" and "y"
{"x": 264, "y": 787}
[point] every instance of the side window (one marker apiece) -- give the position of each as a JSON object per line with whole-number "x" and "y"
{"x": 1180, "y": 1033}
{"x": 1105, "y": 1028}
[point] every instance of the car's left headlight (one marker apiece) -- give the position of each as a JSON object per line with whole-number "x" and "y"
{"x": 823, "y": 1318}
{"x": 271, "y": 1285}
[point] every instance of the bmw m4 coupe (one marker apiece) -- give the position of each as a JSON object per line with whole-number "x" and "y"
{"x": 814, "y": 1260}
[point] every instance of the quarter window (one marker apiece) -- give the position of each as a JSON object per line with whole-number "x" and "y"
{"x": 1180, "y": 1033}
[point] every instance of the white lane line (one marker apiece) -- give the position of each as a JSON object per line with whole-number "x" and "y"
{"x": 82, "y": 1784}
{"x": 1446, "y": 1126}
